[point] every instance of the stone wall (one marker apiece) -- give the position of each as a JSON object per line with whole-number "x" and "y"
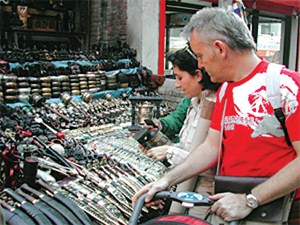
{"x": 170, "y": 93}
{"x": 108, "y": 22}
{"x": 135, "y": 22}
{"x": 143, "y": 31}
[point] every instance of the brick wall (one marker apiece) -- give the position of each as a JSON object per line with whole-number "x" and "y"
{"x": 108, "y": 21}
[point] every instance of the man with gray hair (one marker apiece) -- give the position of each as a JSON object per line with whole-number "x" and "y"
{"x": 244, "y": 138}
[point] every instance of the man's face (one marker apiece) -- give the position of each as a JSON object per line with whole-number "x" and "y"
{"x": 205, "y": 55}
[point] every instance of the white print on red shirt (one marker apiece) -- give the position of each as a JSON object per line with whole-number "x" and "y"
{"x": 253, "y": 110}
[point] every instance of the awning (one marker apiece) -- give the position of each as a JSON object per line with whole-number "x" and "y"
{"x": 286, "y": 7}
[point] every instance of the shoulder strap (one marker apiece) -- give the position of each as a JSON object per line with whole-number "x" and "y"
{"x": 274, "y": 95}
{"x": 273, "y": 84}
{"x": 221, "y": 139}
{"x": 222, "y": 90}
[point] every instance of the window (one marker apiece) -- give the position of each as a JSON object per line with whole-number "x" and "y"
{"x": 269, "y": 39}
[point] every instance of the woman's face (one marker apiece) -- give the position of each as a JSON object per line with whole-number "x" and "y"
{"x": 188, "y": 83}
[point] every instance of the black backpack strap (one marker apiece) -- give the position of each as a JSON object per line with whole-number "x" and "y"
{"x": 281, "y": 118}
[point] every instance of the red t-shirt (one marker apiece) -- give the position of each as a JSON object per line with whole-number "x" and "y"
{"x": 253, "y": 142}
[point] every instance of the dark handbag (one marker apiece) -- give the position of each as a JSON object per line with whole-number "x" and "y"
{"x": 275, "y": 211}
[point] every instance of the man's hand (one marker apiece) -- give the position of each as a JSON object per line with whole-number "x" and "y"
{"x": 230, "y": 206}
{"x": 152, "y": 188}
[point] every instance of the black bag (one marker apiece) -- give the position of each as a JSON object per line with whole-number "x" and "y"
{"x": 275, "y": 211}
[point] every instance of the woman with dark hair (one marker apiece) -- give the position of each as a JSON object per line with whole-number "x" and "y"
{"x": 195, "y": 83}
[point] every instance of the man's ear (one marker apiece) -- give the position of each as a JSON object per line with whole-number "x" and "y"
{"x": 199, "y": 75}
{"x": 220, "y": 48}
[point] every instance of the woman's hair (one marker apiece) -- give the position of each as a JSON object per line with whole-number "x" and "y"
{"x": 186, "y": 62}
{"x": 218, "y": 24}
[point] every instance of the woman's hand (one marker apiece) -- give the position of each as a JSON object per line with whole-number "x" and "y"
{"x": 143, "y": 149}
{"x": 155, "y": 124}
{"x": 158, "y": 153}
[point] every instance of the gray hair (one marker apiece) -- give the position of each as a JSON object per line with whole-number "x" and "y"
{"x": 218, "y": 24}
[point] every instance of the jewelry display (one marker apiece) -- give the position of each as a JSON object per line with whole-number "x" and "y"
{"x": 66, "y": 152}
{"x": 83, "y": 154}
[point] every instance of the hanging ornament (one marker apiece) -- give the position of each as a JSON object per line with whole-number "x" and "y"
{"x": 239, "y": 9}
{"x": 23, "y": 15}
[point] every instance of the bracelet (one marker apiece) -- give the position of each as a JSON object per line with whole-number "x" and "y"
{"x": 161, "y": 125}
{"x": 169, "y": 154}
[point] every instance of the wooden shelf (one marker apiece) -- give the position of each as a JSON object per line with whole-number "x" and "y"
{"x": 17, "y": 33}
